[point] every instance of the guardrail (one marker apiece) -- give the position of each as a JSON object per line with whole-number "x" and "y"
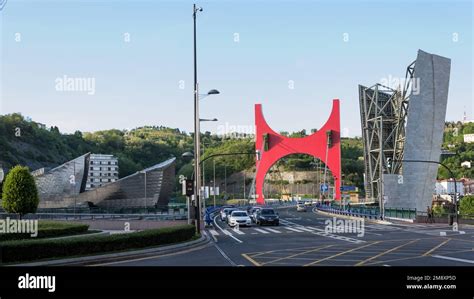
{"x": 370, "y": 212}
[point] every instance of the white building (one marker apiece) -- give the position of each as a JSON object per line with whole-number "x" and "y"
{"x": 469, "y": 138}
{"x": 103, "y": 169}
{"x": 445, "y": 187}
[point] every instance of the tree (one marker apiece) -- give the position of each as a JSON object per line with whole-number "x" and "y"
{"x": 466, "y": 206}
{"x": 20, "y": 195}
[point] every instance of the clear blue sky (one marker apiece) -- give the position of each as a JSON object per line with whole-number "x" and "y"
{"x": 138, "y": 83}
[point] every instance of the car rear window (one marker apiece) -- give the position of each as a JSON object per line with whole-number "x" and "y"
{"x": 267, "y": 212}
{"x": 239, "y": 214}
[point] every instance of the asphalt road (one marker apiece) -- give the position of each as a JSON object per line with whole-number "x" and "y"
{"x": 301, "y": 240}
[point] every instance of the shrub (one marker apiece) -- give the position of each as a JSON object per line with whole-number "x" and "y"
{"x": 28, "y": 250}
{"x": 466, "y": 206}
{"x": 19, "y": 194}
{"x": 50, "y": 229}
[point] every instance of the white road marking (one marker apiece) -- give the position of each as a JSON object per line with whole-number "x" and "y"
{"x": 303, "y": 228}
{"x": 453, "y": 259}
{"x": 442, "y": 233}
{"x": 261, "y": 230}
{"x": 225, "y": 231}
{"x": 294, "y": 229}
{"x": 238, "y": 231}
{"x": 273, "y": 230}
{"x": 214, "y": 232}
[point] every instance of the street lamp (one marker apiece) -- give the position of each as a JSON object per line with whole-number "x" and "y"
{"x": 197, "y": 141}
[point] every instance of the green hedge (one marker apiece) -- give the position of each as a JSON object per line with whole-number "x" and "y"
{"x": 28, "y": 250}
{"x": 49, "y": 229}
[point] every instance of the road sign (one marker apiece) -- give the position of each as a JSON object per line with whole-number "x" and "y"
{"x": 348, "y": 188}
{"x": 323, "y": 187}
{"x": 2, "y": 175}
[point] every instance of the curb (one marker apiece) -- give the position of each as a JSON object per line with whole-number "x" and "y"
{"x": 112, "y": 257}
{"x": 353, "y": 217}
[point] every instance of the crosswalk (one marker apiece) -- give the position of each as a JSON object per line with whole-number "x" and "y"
{"x": 259, "y": 230}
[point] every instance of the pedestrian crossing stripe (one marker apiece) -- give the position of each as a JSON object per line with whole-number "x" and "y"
{"x": 293, "y": 229}
{"x": 238, "y": 232}
{"x": 274, "y": 230}
{"x": 302, "y": 228}
{"x": 261, "y": 230}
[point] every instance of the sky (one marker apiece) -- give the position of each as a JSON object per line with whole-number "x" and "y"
{"x": 293, "y": 57}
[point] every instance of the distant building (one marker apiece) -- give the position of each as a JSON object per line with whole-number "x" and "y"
{"x": 444, "y": 187}
{"x": 468, "y": 186}
{"x": 103, "y": 169}
{"x": 469, "y": 138}
{"x": 466, "y": 164}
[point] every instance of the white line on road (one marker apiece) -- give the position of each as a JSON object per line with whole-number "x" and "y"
{"x": 453, "y": 259}
{"x": 261, "y": 230}
{"x": 225, "y": 231}
{"x": 225, "y": 255}
{"x": 238, "y": 231}
{"x": 305, "y": 229}
{"x": 293, "y": 229}
{"x": 213, "y": 232}
{"x": 273, "y": 230}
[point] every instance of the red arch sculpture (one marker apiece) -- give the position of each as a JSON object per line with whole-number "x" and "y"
{"x": 278, "y": 146}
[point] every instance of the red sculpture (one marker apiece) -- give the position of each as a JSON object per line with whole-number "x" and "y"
{"x": 272, "y": 146}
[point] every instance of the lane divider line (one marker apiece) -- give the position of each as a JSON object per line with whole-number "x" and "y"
{"x": 225, "y": 231}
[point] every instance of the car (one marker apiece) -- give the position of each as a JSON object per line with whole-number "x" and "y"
{"x": 238, "y": 217}
{"x": 308, "y": 203}
{"x": 301, "y": 207}
{"x": 228, "y": 212}
{"x": 225, "y": 212}
{"x": 267, "y": 216}
{"x": 253, "y": 213}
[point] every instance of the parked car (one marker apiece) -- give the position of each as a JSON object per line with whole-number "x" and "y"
{"x": 308, "y": 203}
{"x": 300, "y": 207}
{"x": 267, "y": 216}
{"x": 238, "y": 217}
{"x": 253, "y": 213}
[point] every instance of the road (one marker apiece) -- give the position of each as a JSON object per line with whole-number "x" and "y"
{"x": 301, "y": 240}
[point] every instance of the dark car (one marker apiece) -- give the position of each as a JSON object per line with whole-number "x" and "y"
{"x": 267, "y": 216}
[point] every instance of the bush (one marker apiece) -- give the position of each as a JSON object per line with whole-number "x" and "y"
{"x": 439, "y": 211}
{"x": 19, "y": 194}
{"x": 49, "y": 229}
{"x": 466, "y": 206}
{"x": 28, "y": 250}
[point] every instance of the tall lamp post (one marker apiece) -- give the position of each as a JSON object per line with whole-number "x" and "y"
{"x": 197, "y": 139}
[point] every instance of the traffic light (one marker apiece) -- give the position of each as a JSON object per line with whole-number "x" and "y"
{"x": 389, "y": 164}
{"x": 329, "y": 137}
{"x": 189, "y": 187}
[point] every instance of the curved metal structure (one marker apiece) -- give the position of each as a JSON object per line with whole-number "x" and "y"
{"x": 324, "y": 144}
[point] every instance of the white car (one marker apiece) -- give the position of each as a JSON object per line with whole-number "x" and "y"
{"x": 301, "y": 207}
{"x": 223, "y": 214}
{"x": 239, "y": 217}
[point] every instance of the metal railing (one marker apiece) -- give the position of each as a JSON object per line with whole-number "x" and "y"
{"x": 369, "y": 212}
